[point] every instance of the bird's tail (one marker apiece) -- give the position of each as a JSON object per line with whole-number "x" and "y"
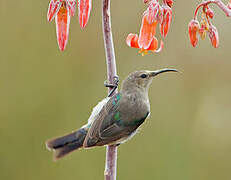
{"x": 66, "y": 144}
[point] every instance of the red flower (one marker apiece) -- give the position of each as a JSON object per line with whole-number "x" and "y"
{"x": 193, "y": 29}
{"x": 210, "y": 13}
{"x": 155, "y": 12}
{"x": 169, "y": 3}
{"x": 161, "y": 14}
{"x": 213, "y": 35}
{"x": 62, "y": 10}
{"x": 146, "y": 40}
{"x": 84, "y": 7}
{"x": 53, "y": 9}
{"x": 167, "y": 18}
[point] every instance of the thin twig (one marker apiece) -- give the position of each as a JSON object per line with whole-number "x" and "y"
{"x": 111, "y": 152}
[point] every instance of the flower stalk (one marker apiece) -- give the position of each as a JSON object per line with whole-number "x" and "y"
{"x": 219, "y": 3}
{"x": 111, "y": 151}
{"x": 205, "y": 26}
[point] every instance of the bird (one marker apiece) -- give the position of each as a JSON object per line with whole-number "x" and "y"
{"x": 114, "y": 120}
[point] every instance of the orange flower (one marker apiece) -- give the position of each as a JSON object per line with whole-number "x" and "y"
{"x": 154, "y": 12}
{"x": 213, "y": 35}
{"x": 62, "y": 11}
{"x": 146, "y": 40}
{"x": 84, "y": 7}
{"x": 161, "y": 14}
{"x": 193, "y": 29}
{"x": 167, "y": 18}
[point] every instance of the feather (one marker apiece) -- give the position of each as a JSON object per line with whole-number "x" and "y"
{"x": 96, "y": 110}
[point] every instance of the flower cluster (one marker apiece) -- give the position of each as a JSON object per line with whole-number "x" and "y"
{"x": 62, "y": 11}
{"x": 200, "y": 29}
{"x": 154, "y": 15}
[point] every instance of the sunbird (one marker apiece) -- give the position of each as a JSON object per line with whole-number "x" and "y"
{"x": 115, "y": 119}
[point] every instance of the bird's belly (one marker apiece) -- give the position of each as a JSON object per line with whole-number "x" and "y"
{"x": 124, "y": 139}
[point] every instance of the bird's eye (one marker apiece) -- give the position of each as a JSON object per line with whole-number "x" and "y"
{"x": 143, "y": 75}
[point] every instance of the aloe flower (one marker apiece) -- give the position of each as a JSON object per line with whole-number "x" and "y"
{"x": 62, "y": 11}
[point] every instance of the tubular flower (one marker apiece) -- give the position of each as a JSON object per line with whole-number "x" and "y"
{"x": 155, "y": 14}
{"x": 161, "y": 14}
{"x": 202, "y": 33}
{"x": 203, "y": 29}
{"x": 146, "y": 40}
{"x": 53, "y": 9}
{"x": 193, "y": 29}
{"x": 167, "y": 18}
{"x": 205, "y": 26}
{"x": 84, "y": 7}
{"x": 62, "y": 11}
{"x": 213, "y": 35}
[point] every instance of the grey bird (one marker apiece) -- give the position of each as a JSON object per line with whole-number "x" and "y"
{"x": 115, "y": 119}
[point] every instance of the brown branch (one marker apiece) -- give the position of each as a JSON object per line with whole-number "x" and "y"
{"x": 111, "y": 152}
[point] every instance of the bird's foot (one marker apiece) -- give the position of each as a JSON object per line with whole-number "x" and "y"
{"x": 114, "y": 86}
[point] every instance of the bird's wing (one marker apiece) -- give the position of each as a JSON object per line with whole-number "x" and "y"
{"x": 106, "y": 128}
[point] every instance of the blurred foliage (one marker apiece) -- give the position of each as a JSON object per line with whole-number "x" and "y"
{"x": 45, "y": 93}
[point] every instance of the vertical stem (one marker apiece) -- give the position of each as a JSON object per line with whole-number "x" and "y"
{"x": 111, "y": 163}
{"x": 108, "y": 42}
{"x": 111, "y": 152}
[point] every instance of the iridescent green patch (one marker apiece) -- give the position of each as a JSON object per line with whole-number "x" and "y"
{"x": 118, "y": 96}
{"x": 117, "y": 116}
{"x": 116, "y": 99}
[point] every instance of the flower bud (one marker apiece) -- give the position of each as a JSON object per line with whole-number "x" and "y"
{"x": 193, "y": 29}
{"x": 213, "y": 35}
{"x": 167, "y": 18}
{"x": 203, "y": 29}
{"x": 202, "y": 33}
{"x": 71, "y": 6}
{"x": 53, "y": 9}
{"x": 132, "y": 40}
{"x": 169, "y": 3}
{"x": 84, "y": 7}
{"x": 160, "y": 16}
{"x": 62, "y": 26}
{"x": 210, "y": 13}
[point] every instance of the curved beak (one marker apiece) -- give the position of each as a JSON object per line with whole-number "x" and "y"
{"x": 155, "y": 73}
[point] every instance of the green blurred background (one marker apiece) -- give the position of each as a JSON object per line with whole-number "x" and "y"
{"x": 45, "y": 93}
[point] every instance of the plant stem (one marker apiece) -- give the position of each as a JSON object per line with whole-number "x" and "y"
{"x": 219, "y": 3}
{"x": 111, "y": 152}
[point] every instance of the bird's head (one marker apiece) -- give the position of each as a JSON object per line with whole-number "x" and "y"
{"x": 142, "y": 79}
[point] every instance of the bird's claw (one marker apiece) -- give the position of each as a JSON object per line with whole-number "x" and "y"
{"x": 114, "y": 86}
{"x": 115, "y": 83}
